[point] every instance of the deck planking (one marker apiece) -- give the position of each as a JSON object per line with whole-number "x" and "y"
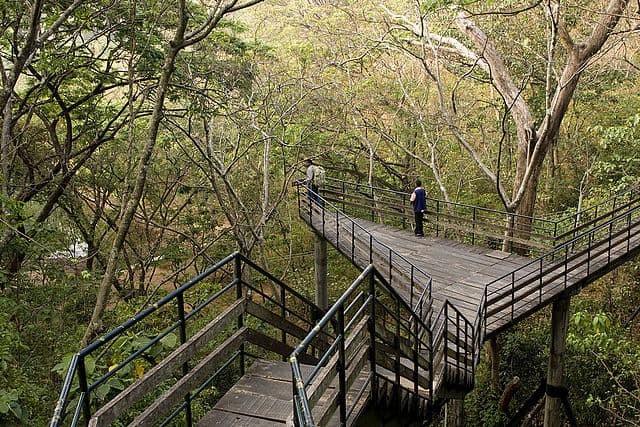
{"x": 263, "y": 398}
{"x": 460, "y": 272}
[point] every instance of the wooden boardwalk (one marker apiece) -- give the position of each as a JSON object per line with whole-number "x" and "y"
{"x": 459, "y": 272}
{"x": 419, "y": 314}
{"x": 486, "y": 286}
{"x": 263, "y": 398}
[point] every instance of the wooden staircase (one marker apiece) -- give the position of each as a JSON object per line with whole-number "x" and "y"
{"x": 256, "y": 352}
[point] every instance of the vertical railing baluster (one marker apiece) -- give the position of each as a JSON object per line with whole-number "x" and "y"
{"x": 185, "y": 365}
{"x": 513, "y": 293}
{"x": 629, "y": 231}
{"x": 342, "y": 363}
{"x": 396, "y": 345}
{"x": 82, "y": 380}
{"x": 353, "y": 241}
{"x": 566, "y": 267}
{"x": 283, "y": 308}
{"x": 610, "y": 242}
{"x": 473, "y": 227}
{"x": 540, "y": 282}
{"x": 237, "y": 270}
{"x": 372, "y": 334}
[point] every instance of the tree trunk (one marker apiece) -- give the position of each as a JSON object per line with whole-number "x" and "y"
{"x": 144, "y": 160}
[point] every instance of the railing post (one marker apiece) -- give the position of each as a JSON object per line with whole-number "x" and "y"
{"x": 589, "y": 252}
{"x": 566, "y": 267}
{"x": 540, "y": 283}
{"x": 390, "y": 266}
{"x": 373, "y": 206}
{"x": 437, "y": 218}
{"x": 416, "y": 350}
{"x": 185, "y": 365}
{"x": 353, "y": 241}
{"x": 629, "y": 231}
{"x": 283, "y": 308}
{"x": 372, "y": 335}
{"x": 609, "y": 245}
{"x": 473, "y": 227}
{"x": 411, "y": 292}
{"x": 82, "y": 379}
{"x": 342, "y": 367}
{"x": 396, "y": 363}
{"x": 513, "y": 293}
{"x": 240, "y": 321}
{"x": 445, "y": 337}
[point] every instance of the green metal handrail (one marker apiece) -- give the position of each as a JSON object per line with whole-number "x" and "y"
{"x": 307, "y": 314}
{"x": 473, "y": 224}
{"x": 369, "y": 294}
{"x": 580, "y": 257}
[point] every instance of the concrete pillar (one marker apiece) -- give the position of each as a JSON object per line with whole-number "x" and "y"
{"x": 454, "y": 413}
{"x": 553, "y": 408}
{"x": 320, "y": 258}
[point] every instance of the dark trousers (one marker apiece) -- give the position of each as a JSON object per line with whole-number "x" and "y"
{"x": 312, "y": 192}
{"x": 419, "y": 217}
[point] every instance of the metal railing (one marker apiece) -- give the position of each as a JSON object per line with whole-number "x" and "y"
{"x": 470, "y": 224}
{"x": 473, "y": 224}
{"x": 374, "y": 329}
{"x": 585, "y": 256}
{"x": 362, "y": 248}
{"x": 185, "y": 310}
{"x": 571, "y": 248}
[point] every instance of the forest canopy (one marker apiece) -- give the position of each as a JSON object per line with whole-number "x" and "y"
{"x": 144, "y": 140}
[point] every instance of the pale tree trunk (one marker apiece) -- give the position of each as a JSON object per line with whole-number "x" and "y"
{"x": 181, "y": 40}
{"x": 129, "y": 209}
{"x": 533, "y": 143}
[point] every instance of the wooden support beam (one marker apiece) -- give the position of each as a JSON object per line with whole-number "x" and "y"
{"x": 454, "y": 413}
{"x": 555, "y": 373}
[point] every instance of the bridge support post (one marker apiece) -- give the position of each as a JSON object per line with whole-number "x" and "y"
{"x": 553, "y": 408}
{"x": 493, "y": 353}
{"x": 454, "y": 413}
{"x": 320, "y": 257}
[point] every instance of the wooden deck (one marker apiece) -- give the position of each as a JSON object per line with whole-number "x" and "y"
{"x": 263, "y": 398}
{"x": 459, "y": 272}
{"x": 516, "y": 286}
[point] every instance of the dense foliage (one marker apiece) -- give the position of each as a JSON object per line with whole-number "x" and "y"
{"x": 377, "y": 94}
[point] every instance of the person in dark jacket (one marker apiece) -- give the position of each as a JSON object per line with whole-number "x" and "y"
{"x": 419, "y": 202}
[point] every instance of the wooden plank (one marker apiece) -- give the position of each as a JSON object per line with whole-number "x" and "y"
{"x": 194, "y": 378}
{"x": 276, "y": 346}
{"x": 136, "y": 391}
{"x": 284, "y": 324}
{"x": 219, "y": 417}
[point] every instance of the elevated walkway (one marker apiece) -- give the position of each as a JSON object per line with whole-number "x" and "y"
{"x": 406, "y": 335}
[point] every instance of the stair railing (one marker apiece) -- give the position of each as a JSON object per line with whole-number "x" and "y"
{"x": 371, "y": 323}
{"x": 192, "y": 304}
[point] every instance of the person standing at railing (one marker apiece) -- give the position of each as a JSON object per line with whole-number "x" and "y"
{"x": 310, "y": 181}
{"x": 419, "y": 203}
